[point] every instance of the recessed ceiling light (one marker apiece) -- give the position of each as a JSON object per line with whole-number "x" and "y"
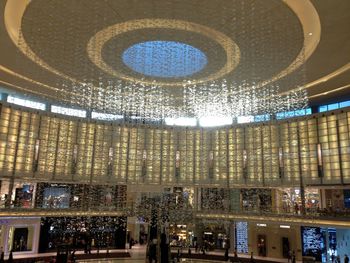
{"x": 284, "y": 226}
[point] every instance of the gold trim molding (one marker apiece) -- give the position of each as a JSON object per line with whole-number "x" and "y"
{"x": 277, "y": 219}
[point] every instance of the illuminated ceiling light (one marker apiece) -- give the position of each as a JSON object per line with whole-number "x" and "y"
{"x": 261, "y": 225}
{"x": 213, "y": 121}
{"x": 245, "y": 119}
{"x": 284, "y": 226}
{"x": 68, "y": 111}
{"x": 181, "y": 121}
{"x": 164, "y": 59}
{"x": 26, "y": 103}
{"x": 105, "y": 116}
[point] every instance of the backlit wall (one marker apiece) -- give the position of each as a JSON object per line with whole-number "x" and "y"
{"x": 46, "y": 147}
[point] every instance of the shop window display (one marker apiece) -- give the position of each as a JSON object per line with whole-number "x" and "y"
{"x": 241, "y": 232}
{"x": 80, "y": 232}
{"x": 215, "y": 236}
{"x": 313, "y": 242}
{"x": 292, "y": 200}
{"x": 56, "y": 197}
{"x": 256, "y": 200}
{"x": 24, "y": 196}
{"x": 179, "y": 236}
{"x": 215, "y": 199}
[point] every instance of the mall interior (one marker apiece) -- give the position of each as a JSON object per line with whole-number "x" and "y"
{"x": 204, "y": 129}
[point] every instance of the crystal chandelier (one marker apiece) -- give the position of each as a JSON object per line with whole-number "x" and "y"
{"x": 215, "y": 99}
{"x": 224, "y": 66}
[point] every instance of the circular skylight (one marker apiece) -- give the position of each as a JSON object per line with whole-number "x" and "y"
{"x": 164, "y": 59}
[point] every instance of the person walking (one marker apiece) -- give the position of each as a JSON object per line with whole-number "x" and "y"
{"x": 2, "y": 255}
{"x": 346, "y": 259}
{"x": 10, "y": 259}
{"x": 226, "y": 254}
{"x": 251, "y": 258}
{"x": 293, "y": 257}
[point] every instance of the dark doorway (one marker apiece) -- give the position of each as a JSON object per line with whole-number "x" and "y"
{"x": 285, "y": 247}
{"x": 262, "y": 245}
{"x": 20, "y": 239}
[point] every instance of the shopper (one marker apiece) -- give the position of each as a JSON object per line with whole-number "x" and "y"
{"x": 293, "y": 257}
{"x": 346, "y": 259}
{"x": 226, "y": 254}
{"x": 10, "y": 259}
{"x": 251, "y": 258}
{"x": 2, "y": 255}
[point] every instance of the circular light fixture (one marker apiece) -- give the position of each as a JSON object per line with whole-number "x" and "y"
{"x": 97, "y": 42}
{"x": 164, "y": 59}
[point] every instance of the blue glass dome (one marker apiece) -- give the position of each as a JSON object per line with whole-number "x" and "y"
{"x": 164, "y": 59}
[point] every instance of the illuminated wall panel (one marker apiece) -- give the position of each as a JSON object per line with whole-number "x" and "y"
{"x": 222, "y": 155}
{"x": 45, "y": 147}
{"x": 206, "y": 164}
{"x": 149, "y": 146}
{"x": 253, "y": 149}
{"x": 197, "y": 156}
{"x": 270, "y": 148}
{"x": 328, "y": 138}
{"x": 156, "y": 160}
{"x": 123, "y": 153}
{"x": 116, "y": 176}
{"x": 26, "y": 144}
{"x": 86, "y": 146}
{"x": 5, "y": 119}
{"x": 235, "y": 155}
{"x": 103, "y": 138}
{"x": 182, "y": 164}
{"x": 188, "y": 156}
{"x": 344, "y": 142}
{"x": 289, "y": 141}
{"x": 140, "y": 156}
{"x": 308, "y": 151}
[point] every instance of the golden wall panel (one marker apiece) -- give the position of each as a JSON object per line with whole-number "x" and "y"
{"x": 50, "y": 147}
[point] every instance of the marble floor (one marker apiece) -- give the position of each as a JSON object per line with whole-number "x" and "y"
{"x": 138, "y": 255}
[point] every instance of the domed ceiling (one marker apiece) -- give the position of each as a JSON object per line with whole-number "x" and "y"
{"x": 61, "y": 50}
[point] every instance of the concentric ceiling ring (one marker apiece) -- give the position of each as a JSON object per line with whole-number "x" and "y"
{"x": 96, "y": 43}
{"x": 304, "y": 10}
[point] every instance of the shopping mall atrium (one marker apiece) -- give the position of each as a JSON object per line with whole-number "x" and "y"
{"x": 207, "y": 129}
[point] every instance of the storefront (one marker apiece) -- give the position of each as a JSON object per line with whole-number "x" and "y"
{"x": 256, "y": 200}
{"x": 22, "y": 195}
{"x": 77, "y": 232}
{"x": 20, "y": 235}
{"x": 181, "y": 235}
{"x": 216, "y": 236}
{"x": 292, "y": 200}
